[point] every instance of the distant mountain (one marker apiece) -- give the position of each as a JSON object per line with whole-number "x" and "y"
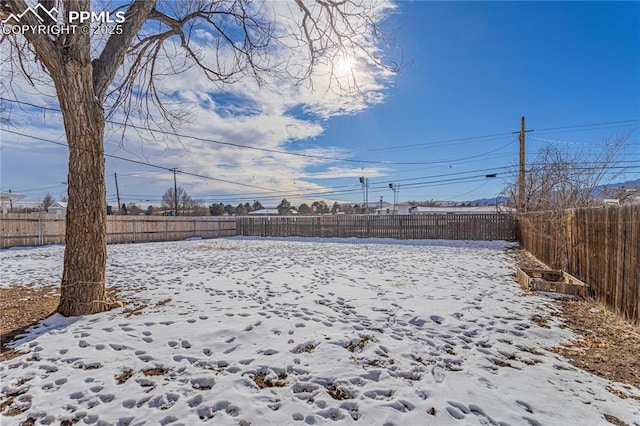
{"x": 629, "y": 183}
{"x": 488, "y": 201}
{"x": 603, "y": 191}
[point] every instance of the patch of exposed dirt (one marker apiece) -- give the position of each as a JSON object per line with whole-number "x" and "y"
{"x": 607, "y": 346}
{"x": 22, "y": 307}
{"x": 124, "y": 376}
{"x": 155, "y": 372}
{"x": 339, "y": 393}
{"x": 262, "y": 381}
{"x": 352, "y": 347}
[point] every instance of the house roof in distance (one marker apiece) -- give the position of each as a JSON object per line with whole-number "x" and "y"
{"x": 10, "y": 196}
{"x": 458, "y": 209}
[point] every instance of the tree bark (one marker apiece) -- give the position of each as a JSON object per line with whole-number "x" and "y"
{"x": 83, "y": 289}
{"x": 67, "y": 58}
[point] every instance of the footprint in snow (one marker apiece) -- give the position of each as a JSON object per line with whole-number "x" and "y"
{"x": 195, "y": 401}
{"x": 524, "y": 406}
{"x": 438, "y": 373}
{"x": 480, "y": 413}
{"x": 384, "y": 394}
{"x": 459, "y": 406}
{"x": 51, "y": 387}
{"x": 228, "y": 351}
{"x": 487, "y": 383}
{"x": 437, "y": 319}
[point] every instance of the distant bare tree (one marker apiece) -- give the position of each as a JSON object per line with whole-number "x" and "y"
{"x": 46, "y": 202}
{"x": 133, "y": 209}
{"x": 192, "y": 207}
{"x": 169, "y": 199}
{"x": 96, "y": 74}
{"x": 560, "y": 178}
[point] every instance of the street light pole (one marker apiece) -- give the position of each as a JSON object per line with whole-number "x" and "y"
{"x": 365, "y": 192}
{"x": 396, "y": 191}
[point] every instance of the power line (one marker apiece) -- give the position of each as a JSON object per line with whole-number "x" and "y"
{"x": 269, "y": 150}
{"x": 438, "y": 143}
{"x": 622, "y": 123}
{"x": 39, "y": 189}
{"x": 305, "y": 193}
{"x": 275, "y": 151}
{"x": 334, "y": 190}
{"x": 558, "y": 141}
{"x": 143, "y": 162}
{"x": 280, "y": 192}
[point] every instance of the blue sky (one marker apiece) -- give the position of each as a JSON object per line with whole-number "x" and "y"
{"x": 473, "y": 69}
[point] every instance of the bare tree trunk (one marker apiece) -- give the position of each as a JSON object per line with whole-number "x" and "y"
{"x": 83, "y": 289}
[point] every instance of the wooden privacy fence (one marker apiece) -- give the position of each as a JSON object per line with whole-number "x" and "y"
{"x": 600, "y": 246}
{"x": 41, "y": 229}
{"x": 441, "y": 226}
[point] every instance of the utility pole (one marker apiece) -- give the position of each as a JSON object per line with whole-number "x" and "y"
{"x": 381, "y": 204}
{"x": 115, "y": 175}
{"x": 175, "y": 192}
{"x": 521, "y": 185}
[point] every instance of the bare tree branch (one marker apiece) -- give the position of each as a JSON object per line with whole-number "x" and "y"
{"x": 112, "y": 56}
{"x": 560, "y": 178}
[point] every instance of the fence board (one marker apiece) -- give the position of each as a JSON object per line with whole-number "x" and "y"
{"x": 600, "y": 246}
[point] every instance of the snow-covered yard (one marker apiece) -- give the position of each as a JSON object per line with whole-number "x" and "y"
{"x": 303, "y": 331}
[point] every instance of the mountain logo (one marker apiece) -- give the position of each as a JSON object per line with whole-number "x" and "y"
{"x": 35, "y": 11}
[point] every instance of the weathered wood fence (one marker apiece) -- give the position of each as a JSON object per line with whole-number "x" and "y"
{"x": 35, "y": 229}
{"x": 41, "y": 229}
{"x": 600, "y": 246}
{"x": 443, "y": 226}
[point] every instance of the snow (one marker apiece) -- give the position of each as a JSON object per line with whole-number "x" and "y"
{"x": 404, "y": 332}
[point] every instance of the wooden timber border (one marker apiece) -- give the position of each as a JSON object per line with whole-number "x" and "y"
{"x": 551, "y": 280}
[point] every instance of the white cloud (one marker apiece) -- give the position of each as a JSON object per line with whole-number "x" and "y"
{"x": 335, "y": 172}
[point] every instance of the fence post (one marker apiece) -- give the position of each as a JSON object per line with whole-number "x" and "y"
{"x": 39, "y": 231}
{"x": 133, "y": 230}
